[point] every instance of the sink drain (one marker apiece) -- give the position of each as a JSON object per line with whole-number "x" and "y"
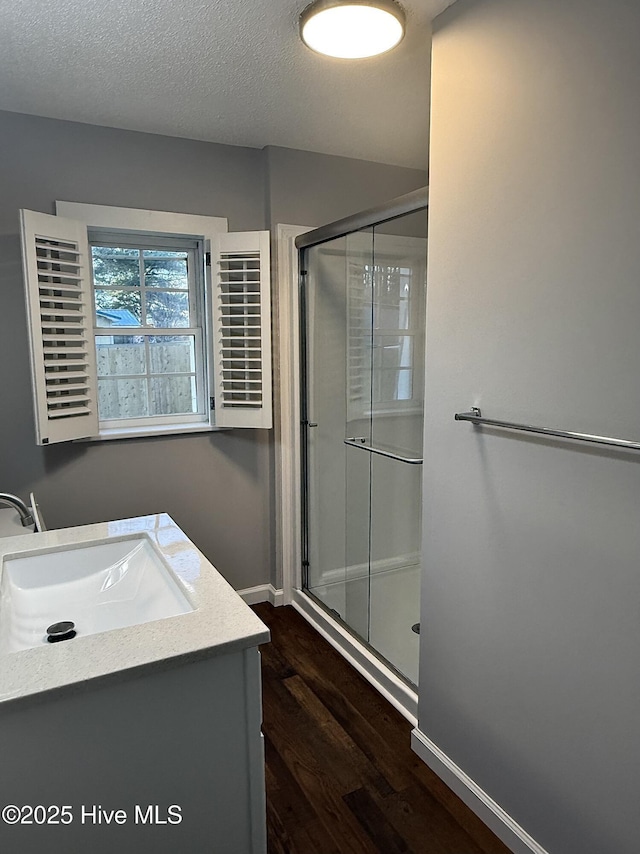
{"x": 61, "y": 631}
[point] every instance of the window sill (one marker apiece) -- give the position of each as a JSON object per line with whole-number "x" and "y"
{"x": 147, "y": 432}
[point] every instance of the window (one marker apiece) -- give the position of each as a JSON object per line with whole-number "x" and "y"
{"x": 133, "y": 334}
{"x": 149, "y": 299}
{"x": 386, "y": 347}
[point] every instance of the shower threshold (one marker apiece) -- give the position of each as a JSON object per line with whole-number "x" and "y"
{"x": 384, "y": 677}
{"x": 381, "y": 608}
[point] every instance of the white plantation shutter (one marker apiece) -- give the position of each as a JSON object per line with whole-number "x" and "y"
{"x": 359, "y": 340}
{"x": 57, "y": 275}
{"x": 242, "y": 329}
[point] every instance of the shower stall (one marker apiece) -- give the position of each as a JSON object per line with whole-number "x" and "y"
{"x": 362, "y": 306}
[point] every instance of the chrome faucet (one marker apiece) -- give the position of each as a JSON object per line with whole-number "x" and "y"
{"x": 18, "y": 504}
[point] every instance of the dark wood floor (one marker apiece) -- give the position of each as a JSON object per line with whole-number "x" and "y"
{"x": 341, "y": 775}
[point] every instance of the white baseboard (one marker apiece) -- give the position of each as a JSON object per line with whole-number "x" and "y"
{"x": 491, "y": 813}
{"x": 262, "y": 593}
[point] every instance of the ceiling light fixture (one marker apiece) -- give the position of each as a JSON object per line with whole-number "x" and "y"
{"x": 352, "y": 29}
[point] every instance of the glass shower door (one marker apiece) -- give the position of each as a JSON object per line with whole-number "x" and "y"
{"x": 397, "y": 416}
{"x": 337, "y": 523}
{"x": 364, "y": 319}
{"x": 356, "y": 430}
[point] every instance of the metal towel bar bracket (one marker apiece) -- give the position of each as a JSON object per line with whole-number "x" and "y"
{"x": 475, "y": 417}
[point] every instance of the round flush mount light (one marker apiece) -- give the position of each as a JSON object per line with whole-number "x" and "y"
{"x": 352, "y": 29}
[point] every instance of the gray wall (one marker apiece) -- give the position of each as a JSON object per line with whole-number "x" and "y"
{"x": 306, "y": 188}
{"x": 219, "y": 486}
{"x": 530, "y": 673}
{"x": 216, "y": 486}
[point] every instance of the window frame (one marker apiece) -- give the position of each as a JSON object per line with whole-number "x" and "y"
{"x": 136, "y": 225}
{"x": 59, "y": 302}
{"x": 198, "y": 294}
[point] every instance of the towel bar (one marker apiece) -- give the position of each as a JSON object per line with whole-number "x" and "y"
{"x": 359, "y": 442}
{"x": 475, "y": 417}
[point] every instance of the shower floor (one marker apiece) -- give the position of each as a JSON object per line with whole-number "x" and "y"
{"x": 393, "y": 606}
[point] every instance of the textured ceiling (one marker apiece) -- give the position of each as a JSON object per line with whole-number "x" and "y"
{"x": 231, "y": 71}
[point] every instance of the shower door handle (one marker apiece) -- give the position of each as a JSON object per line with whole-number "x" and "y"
{"x": 359, "y": 442}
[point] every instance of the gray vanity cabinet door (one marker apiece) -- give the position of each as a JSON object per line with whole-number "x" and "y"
{"x": 160, "y": 761}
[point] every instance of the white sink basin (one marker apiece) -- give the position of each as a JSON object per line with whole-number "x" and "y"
{"x": 99, "y": 586}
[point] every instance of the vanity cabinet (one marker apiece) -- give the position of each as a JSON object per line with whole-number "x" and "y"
{"x": 178, "y": 752}
{"x": 141, "y": 739}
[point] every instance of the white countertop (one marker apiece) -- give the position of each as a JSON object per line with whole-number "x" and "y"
{"x": 220, "y": 623}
